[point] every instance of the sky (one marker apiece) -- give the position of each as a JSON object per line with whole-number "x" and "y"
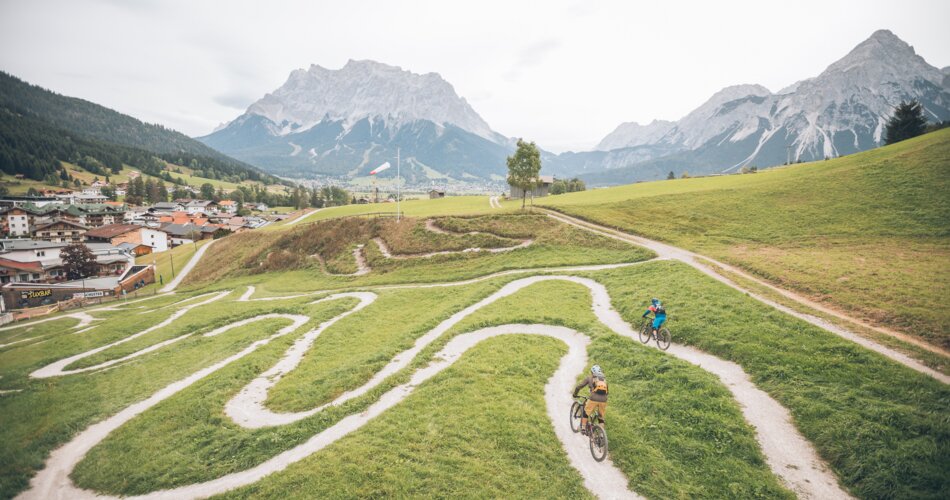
{"x": 561, "y": 73}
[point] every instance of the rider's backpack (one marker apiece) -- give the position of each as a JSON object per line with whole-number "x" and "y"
{"x": 659, "y": 309}
{"x": 600, "y": 386}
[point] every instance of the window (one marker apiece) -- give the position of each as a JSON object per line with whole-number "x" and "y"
{"x": 41, "y": 253}
{"x": 36, "y": 276}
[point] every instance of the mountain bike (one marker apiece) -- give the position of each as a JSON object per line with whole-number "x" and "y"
{"x": 662, "y": 336}
{"x": 595, "y": 431}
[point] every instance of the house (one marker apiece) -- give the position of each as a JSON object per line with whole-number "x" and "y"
{"x": 543, "y": 188}
{"x": 43, "y": 258}
{"x": 18, "y": 220}
{"x": 35, "y": 201}
{"x": 167, "y": 206}
{"x": 228, "y": 206}
{"x": 60, "y": 231}
{"x": 116, "y": 234}
{"x": 261, "y": 207}
{"x": 436, "y": 193}
{"x": 12, "y": 271}
{"x": 180, "y": 234}
{"x": 136, "y": 249}
{"x": 204, "y": 206}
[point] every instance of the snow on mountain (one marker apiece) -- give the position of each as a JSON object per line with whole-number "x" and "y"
{"x": 841, "y": 111}
{"x": 351, "y": 119}
{"x": 366, "y": 89}
{"x": 631, "y": 134}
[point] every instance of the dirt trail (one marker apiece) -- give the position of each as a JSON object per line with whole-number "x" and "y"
{"x": 665, "y": 251}
{"x": 58, "y": 368}
{"x": 170, "y": 287}
{"x": 788, "y": 454}
{"x": 362, "y": 267}
{"x": 302, "y": 217}
{"x": 493, "y": 202}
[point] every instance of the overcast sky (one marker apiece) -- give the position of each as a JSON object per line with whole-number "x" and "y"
{"x": 561, "y": 73}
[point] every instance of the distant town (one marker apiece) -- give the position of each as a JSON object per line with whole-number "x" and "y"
{"x": 40, "y": 228}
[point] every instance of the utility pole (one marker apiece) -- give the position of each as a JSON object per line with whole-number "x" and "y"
{"x": 398, "y": 189}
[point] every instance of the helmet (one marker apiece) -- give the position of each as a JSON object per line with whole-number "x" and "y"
{"x": 654, "y": 301}
{"x": 596, "y": 370}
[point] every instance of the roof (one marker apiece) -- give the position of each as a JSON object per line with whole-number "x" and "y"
{"x": 26, "y": 244}
{"x": 547, "y": 179}
{"x": 53, "y": 222}
{"x": 112, "y": 230}
{"x": 166, "y": 204}
{"x": 200, "y": 203}
{"x": 21, "y": 266}
{"x": 185, "y": 229}
{"x": 227, "y": 203}
{"x": 103, "y": 283}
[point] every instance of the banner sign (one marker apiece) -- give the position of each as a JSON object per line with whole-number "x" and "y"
{"x": 36, "y": 294}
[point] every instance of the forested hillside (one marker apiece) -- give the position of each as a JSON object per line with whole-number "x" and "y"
{"x": 39, "y": 128}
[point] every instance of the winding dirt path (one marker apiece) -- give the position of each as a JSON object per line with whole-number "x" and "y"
{"x": 302, "y": 217}
{"x": 694, "y": 260}
{"x": 192, "y": 262}
{"x": 58, "y": 368}
{"x": 362, "y": 267}
{"x": 493, "y": 202}
{"x": 788, "y": 454}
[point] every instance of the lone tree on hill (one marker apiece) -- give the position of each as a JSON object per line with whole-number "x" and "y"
{"x": 671, "y": 176}
{"x": 78, "y": 261}
{"x": 908, "y": 121}
{"x": 524, "y": 167}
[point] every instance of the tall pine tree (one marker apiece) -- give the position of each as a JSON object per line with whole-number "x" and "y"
{"x": 908, "y": 121}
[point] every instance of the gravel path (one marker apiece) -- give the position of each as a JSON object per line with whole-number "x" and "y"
{"x": 788, "y": 454}
{"x": 665, "y": 251}
{"x": 187, "y": 269}
{"x": 302, "y": 217}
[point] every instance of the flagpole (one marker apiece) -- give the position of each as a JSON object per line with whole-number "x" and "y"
{"x": 398, "y": 190}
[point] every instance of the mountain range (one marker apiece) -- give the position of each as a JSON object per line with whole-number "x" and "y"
{"x": 841, "y": 111}
{"x": 342, "y": 123}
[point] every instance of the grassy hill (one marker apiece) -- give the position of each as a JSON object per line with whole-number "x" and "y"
{"x": 867, "y": 233}
{"x": 480, "y": 428}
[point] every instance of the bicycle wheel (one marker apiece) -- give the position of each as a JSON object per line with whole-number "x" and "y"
{"x": 598, "y": 442}
{"x": 645, "y": 332}
{"x": 576, "y": 411}
{"x": 663, "y": 338}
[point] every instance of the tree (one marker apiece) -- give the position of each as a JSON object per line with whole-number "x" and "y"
{"x": 685, "y": 175}
{"x": 162, "y": 191}
{"x": 78, "y": 261}
{"x": 524, "y": 167}
{"x": 671, "y": 176}
{"x": 207, "y": 191}
{"x": 908, "y": 121}
{"x": 108, "y": 192}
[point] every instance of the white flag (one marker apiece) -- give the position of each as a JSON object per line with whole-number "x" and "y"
{"x": 380, "y": 168}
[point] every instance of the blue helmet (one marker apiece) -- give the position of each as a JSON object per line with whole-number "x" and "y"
{"x": 655, "y": 301}
{"x": 597, "y": 371}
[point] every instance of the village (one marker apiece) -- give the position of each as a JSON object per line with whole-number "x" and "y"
{"x": 38, "y": 227}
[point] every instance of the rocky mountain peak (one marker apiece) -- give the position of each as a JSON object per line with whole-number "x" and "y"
{"x": 366, "y": 89}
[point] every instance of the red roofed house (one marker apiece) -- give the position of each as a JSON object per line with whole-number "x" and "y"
{"x": 129, "y": 233}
